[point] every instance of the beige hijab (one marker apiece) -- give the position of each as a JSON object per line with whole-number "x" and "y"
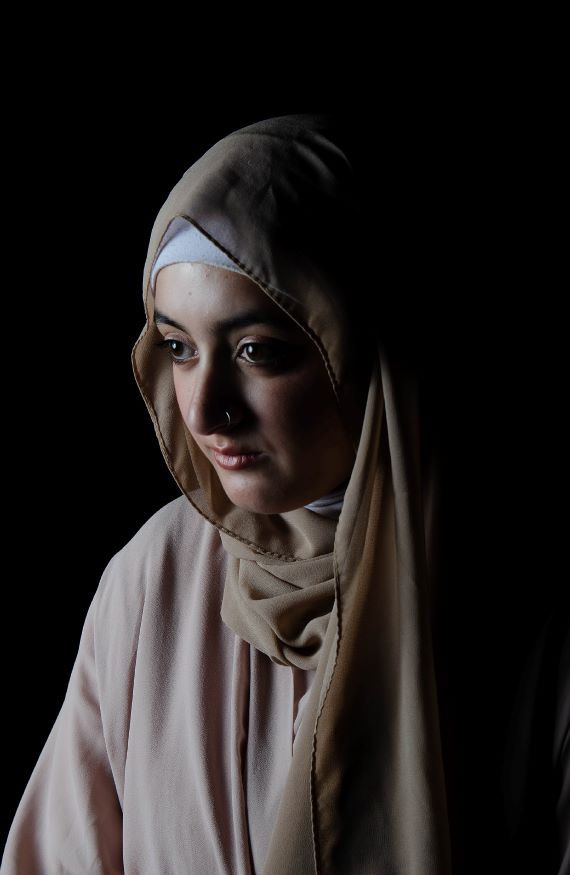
{"x": 365, "y": 791}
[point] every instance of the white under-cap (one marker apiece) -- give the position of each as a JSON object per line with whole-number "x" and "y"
{"x": 184, "y": 242}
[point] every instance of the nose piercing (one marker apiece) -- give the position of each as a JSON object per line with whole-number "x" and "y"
{"x": 229, "y": 417}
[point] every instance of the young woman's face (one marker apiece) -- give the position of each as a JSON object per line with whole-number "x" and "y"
{"x": 234, "y": 350}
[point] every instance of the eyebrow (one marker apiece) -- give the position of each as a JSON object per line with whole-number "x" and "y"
{"x": 250, "y": 317}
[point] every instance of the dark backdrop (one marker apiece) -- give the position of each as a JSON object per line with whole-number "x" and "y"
{"x": 83, "y": 467}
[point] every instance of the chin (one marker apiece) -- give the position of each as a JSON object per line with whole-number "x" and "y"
{"x": 260, "y": 500}
{"x": 260, "y": 506}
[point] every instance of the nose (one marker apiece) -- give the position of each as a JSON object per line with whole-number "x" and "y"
{"x": 209, "y": 401}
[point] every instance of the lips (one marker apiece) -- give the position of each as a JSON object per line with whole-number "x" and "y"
{"x": 232, "y": 460}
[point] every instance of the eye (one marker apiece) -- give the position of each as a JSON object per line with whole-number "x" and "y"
{"x": 262, "y": 353}
{"x": 176, "y": 348}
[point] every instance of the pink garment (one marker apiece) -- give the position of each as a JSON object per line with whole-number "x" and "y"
{"x": 174, "y": 741}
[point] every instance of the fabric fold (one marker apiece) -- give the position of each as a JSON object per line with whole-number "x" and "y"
{"x": 280, "y": 608}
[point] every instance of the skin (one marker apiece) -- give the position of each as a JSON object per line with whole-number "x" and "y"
{"x": 270, "y": 377}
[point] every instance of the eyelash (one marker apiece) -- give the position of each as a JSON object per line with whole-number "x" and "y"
{"x": 165, "y": 344}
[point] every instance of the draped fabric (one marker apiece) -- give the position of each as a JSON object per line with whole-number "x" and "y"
{"x": 350, "y": 600}
{"x": 173, "y": 744}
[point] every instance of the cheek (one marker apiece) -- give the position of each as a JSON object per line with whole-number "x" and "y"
{"x": 181, "y": 394}
{"x": 298, "y": 409}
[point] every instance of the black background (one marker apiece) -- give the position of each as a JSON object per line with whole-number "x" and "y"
{"x": 478, "y": 161}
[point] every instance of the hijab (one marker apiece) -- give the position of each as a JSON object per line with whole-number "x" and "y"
{"x": 350, "y": 598}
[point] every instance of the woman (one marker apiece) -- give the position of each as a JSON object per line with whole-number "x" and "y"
{"x": 255, "y": 688}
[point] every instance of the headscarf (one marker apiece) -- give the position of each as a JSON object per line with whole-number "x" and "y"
{"x": 351, "y": 599}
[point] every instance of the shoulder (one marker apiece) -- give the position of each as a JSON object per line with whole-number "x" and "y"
{"x": 165, "y": 554}
{"x": 175, "y": 526}
{"x": 171, "y": 524}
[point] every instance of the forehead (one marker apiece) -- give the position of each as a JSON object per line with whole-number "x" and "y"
{"x": 193, "y": 284}
{"x": 195, "y": 293}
